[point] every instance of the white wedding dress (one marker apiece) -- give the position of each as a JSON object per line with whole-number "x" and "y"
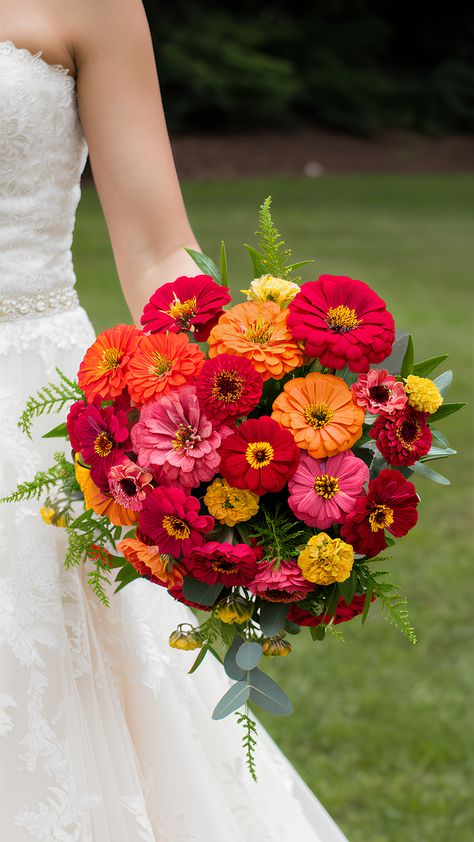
{"x": 104, "y": 737}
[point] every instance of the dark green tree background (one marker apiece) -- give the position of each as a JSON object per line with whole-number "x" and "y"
{"x": 352, "y": 65}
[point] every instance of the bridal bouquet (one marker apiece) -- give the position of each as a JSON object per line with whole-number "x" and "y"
{"x": 255, "y": 461}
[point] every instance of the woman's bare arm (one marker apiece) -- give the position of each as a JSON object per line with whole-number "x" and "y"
{"x": 122, "y": 115}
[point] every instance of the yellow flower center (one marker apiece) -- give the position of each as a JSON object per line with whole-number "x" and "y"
{"x": 228, "y": 386}
{"x": 326, "y": 486}
{"x": 259, "y": 331}
{"x": 259, "y": 454}
{"x": 176, "y": 528}
{"x": 341, "y": 319}
{"x": 380, "y": 517}
{"x": 111, "y": 359}
{"x": 185, "y": 438}
{"x": 161, "y": 365}
{"x": 408, "y": 432}
{"x": 183, "y": 311}
{"x": 318, "y": 415}
{"x": 103, "y": 444}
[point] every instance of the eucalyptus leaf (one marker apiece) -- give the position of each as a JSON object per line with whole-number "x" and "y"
{"x": 235, "y": 697}
{"x": 200, "y": 592}
{"x": 205, "y": 263}
{"x": 230, "y": 664}
{"x": 393, "y": 363}
{"x": 445, "y": 410}
{"x": 424, "y": 471}
{"x": 438, "y": 453}
{"x": 425, "y": 367}
{"x": 59, "y": 432}
{"x": 408, "y": 359}
{"x": 272, "y": 617}
{"x": 267, "y": 694}
{"x": 348, "y": 376}
{"x": 440, "y": 437}
{"x": 248, "y": 655}
{"x": 443, "y": 382}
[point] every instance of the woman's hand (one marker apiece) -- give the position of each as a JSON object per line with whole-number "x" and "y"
{"x": 122, "y": 115}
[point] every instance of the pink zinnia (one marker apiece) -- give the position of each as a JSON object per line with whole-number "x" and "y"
{"x": 284, "y": 583}
{"x": 229, "y": 564}
{"x": 129, "y": 483}
{"x": 174, "y": 435}
{"x": 324, "y": 491}
{"x": 378, "y": 391}
{"x": 171, "y": 519}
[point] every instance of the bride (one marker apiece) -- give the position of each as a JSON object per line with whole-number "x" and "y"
{"x": 104, "y": 738}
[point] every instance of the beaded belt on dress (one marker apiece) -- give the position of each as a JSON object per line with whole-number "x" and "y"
{"x": 41, "y": 304}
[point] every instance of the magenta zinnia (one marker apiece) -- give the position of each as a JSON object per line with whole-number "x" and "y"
{"x": 171, "y": 519}
{"x": 402, "y": 438}
{"x": 102, "y": 435}
{"x": 229, "y": 564}
{"x": 187, "y": 304}
{"x": 174, "y": 435}
{"x": 229, "y": 386}
{"x": 378, "y": 391}
{"x": 342, "y": 322}
{"x": 324, "y": 491}
{"x": 282, "y": 583}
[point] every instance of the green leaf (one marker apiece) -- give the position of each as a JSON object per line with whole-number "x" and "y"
{"x": 438, "y": 453}
{"x": 348, "y": 588}
{"x": 223, "y": 265}
{"x": 267, "y": 694}
{"x": 408, "y": 359}
{"x": 248, "y": 655}
{"x": 272, "y": 617}
{"x": 235, "y": 697}
{"x": 258, "y": 265}
{"x": 200, "y": 592}
{"x": 332, "y": 598}
{"x": 424, "y": 471}
{"x": 200, "y": 657}
{"x": 439, "y": 436}
{"x": 59, "y": 432}
{"x": 445, "y": 410}
{"x": 368, "y": 597}
{"x": 292, "y": 267}
{"x": 230, "y": 665}
{"x": 349, "y": 377}
{"x": 318, "y": 632}
{"x": 443, "y": 382}
{"x": 425, "y": 367}
{"x": 393, "y": 363}
{"x": 205, "y": 263}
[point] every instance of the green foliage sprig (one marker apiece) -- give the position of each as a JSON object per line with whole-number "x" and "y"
{"x": 278, "y": 534}
{"x": 43, "y": 480}
{"x": 84, "y": 531}
{"x": 272, "y": 257}
{"x": 249, "y": 740}
{"x": 51, "y": 398}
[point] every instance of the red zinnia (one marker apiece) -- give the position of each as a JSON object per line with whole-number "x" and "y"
{"x": 390, "y": 503}
{"x": 402, "y": 438}
{"x": 189, "y": 304}
{"x": 102, "y": 371}
{"x": 228, "y": 564}
{"x": 170, "y": 518}
{"x": 342, "y": 322}
{"x": 343, "y": 613}
{"x": 261, "y": 456}
{"x": 75, "y": 412}
{"x": 228, "y": 387}
{"x": 102, "y": 436}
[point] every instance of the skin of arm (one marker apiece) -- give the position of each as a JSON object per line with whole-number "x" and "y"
{"x": 122, "y": 115}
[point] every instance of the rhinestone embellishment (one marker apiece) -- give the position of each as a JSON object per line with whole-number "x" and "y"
{"x": 42, "y": 304}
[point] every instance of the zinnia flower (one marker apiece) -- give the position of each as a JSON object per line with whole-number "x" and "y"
{"x": 100, "y": 503}
{"x": 102, "y": 436}
{"x": 75, "y": 411}
{"x": 228, "y": 564}
{"x": 342, "y": 322}
{"x": 174, "y": 434}
{"x": 402, "y": 438}
{"x": 230, "y": 505}
{"x": 390, "y": 503}
{"x": 257, "y": 331}
{"x": 129, "y": 483}
{"x": 189, "y": 304}
{"x": 284, "y": 583}
{"x": 423, "y": 394}
{"x": 150, "y": 563}
{"x": 160, "y": 364}
{"x": 170, "y": 518}
{"x": 269, "y": 288}
{"x": 320, "y": 412}
{"x": 323, "y": 492}
{"x": 261, "y": 456}
{"x": 325, "y": 560}
{"x": 228, "y": 386}
{"x": 343, "y": 613}
{"x": 102, "y": 371}
{"x": 378, "y": 391}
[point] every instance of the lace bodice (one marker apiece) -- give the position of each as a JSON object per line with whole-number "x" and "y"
{"x": 42, "y": 155}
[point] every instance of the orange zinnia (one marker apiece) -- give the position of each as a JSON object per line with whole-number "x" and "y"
{"x": 320, "y": 412}
{"x": 148, "y": 559}
{"x": 101, "y": 504}
{"x": 161, "y": 363}
{"x": 102, "y": 371}
{"x": 258, "y": 331}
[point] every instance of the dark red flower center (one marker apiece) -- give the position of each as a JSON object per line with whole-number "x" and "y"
{"x": 274, "y": 595}
{"x": 228, "y": 386}
{"x": 224, "y": 565}
{"x": 379, "y": 393}
{"x": 128, "y": 487}
{"x": 408, "y": 432}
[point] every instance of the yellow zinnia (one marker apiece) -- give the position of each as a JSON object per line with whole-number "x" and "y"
{"x": 423, "y": 394}
{"x": 230, "y": 505}
{"x": 325, "y": 560}
{"x": 269, "y": 288}
{"x": 51, "y": 517}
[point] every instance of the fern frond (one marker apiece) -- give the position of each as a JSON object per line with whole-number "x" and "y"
{"x": 50, "y": 398}
{"x": 42, "y": 481}
{"x": 271, "y": 242}
{"x": 392, "y": 604}
{"x": 249, "y": 740}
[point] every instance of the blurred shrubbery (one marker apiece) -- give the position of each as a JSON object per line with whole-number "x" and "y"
{"x": 351, "y": 65}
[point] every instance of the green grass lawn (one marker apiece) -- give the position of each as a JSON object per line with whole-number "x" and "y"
{"x": 382, "y": 730}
